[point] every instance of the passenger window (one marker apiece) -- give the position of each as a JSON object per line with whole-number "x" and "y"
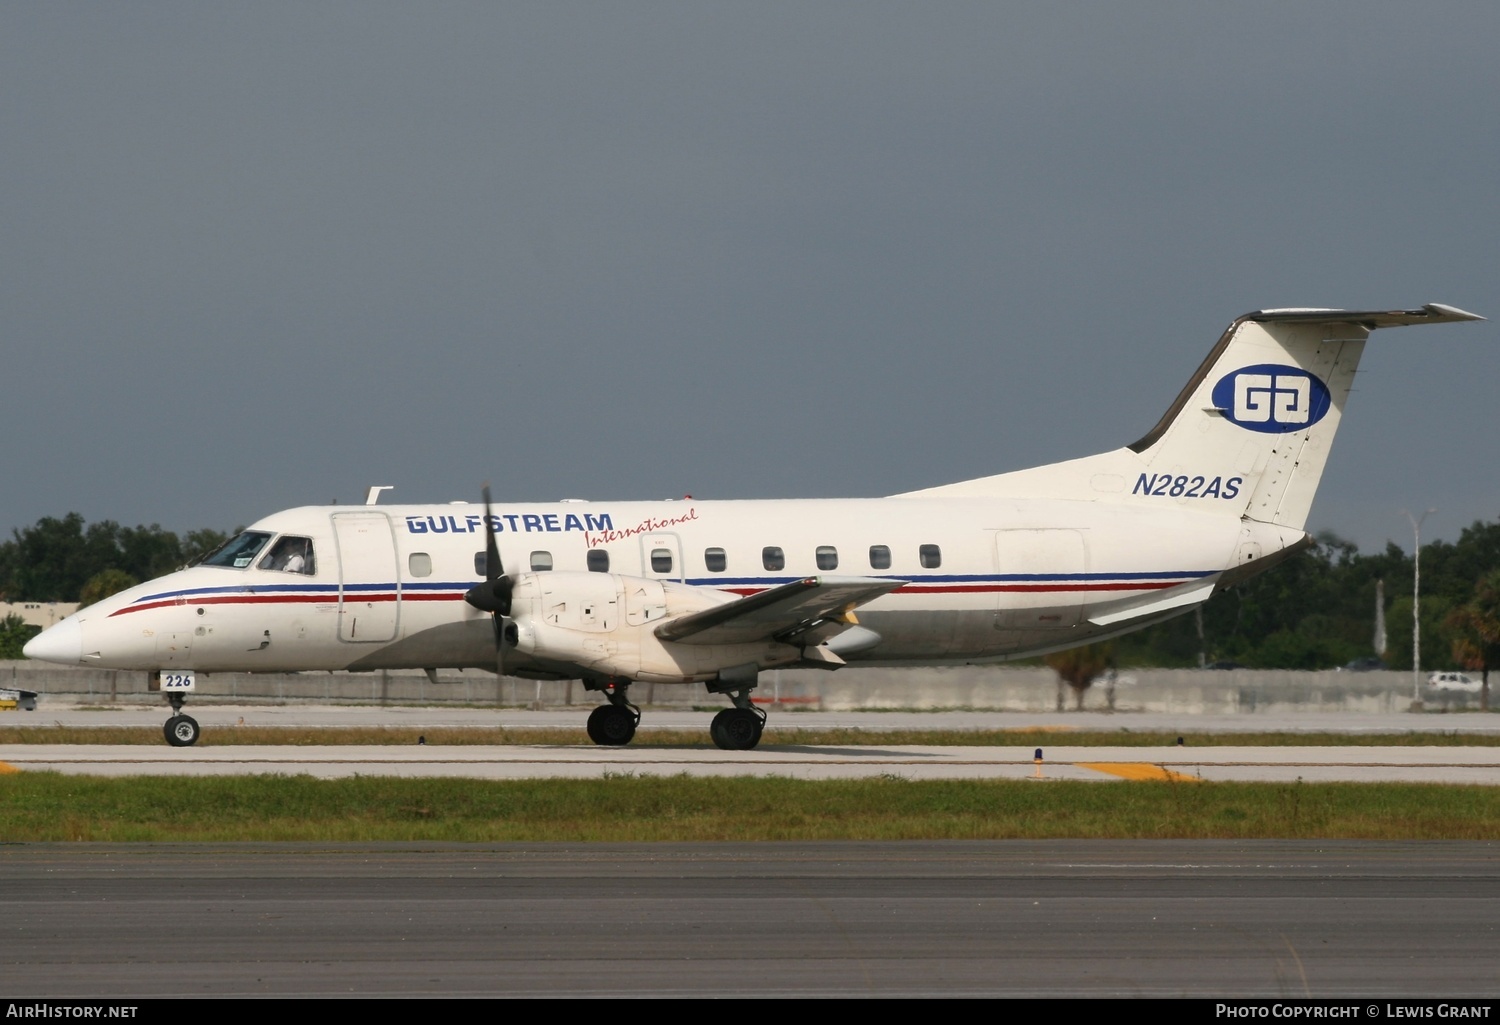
{"x": 420, "y": 564}
{"x": 828, "y": 557}
{"x": 479, "y": 562}
{"x": 661, "y": 560}
{"x": 714, "y": 560}
{"x": 880, "y": 557}
{"x": 541, "y": 562}
{"x": 598, "y": 561}
{"x": 931, "y": 556}
{"x": 772, "y": 558}
{"x": 290, "y": 555}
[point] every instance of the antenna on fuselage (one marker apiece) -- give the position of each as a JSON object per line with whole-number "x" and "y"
{"x": 372, "y": 497}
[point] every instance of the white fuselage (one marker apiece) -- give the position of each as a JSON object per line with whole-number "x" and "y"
{"x": 981, "y": 579}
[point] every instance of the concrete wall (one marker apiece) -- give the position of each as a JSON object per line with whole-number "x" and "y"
{"x": 1180, "y": 691}
{"x": 38, "y": 613}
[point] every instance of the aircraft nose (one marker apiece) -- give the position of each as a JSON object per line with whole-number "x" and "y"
{"x": 61, "y": 643}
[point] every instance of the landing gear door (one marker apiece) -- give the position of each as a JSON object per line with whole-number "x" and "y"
{"x": 661, "y": 557}
{"x": 369, "y": 591}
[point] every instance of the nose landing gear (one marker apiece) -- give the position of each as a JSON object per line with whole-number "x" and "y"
{"x": 180, "y": 730}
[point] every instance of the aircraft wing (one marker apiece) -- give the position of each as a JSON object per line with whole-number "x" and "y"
{"x": 780, "y": 613}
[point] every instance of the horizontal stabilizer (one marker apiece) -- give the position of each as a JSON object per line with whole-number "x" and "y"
{"x": 1431, "y": 313}
{"x": 774, "y": 614}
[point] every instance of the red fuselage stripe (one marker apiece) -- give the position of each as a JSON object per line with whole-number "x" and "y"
{"x": 332, "y": 597}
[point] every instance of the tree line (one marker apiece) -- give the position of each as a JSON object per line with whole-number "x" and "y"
{"x": 67, "y": 561}
{"x": 1314, "y": 611}
{"x": 1317, "y": 609}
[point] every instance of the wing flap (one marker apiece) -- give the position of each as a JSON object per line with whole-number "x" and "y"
{"x": 781, "y": 613}
{"x": 1188, "y": 594}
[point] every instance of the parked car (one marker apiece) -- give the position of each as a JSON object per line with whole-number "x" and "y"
{"x": 1452, "y": 681}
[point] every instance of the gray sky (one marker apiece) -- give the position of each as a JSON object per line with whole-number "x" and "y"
{"x": 262, "y": 255}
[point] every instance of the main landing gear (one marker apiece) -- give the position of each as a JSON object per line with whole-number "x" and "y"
{"x": 180, "y": 730}
{"x": 738, "y": 728}
{"x": 612, "y": 725}
{"x": 734, "y": 729}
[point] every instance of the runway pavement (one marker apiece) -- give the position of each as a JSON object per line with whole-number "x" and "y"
{"x": 1312, "y": 764}
{"x": 1061, "y": 760}
{"x": 1281, "y": 919}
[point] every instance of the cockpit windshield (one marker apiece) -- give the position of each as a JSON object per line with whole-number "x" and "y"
{"x": 239, "y": 551}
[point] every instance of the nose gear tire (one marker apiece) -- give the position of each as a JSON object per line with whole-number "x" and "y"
{"x": 181, "y": 731}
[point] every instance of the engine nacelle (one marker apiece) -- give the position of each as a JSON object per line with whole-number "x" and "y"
{"x": 606, "y": 623}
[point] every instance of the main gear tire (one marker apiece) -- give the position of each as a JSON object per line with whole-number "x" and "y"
{"x": 611, "y": 726}
{"x": 736, "y": 729}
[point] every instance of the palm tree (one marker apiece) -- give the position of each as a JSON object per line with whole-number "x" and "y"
{"x": 1077, "y": 667}
{"x": 1476, "y": 632}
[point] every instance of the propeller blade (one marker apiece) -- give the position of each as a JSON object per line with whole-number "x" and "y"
{"x": 494, "y": 595}
{"x": 492, "y": 567}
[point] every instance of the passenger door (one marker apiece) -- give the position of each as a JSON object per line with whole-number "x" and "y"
{"x": 369, "y": 589}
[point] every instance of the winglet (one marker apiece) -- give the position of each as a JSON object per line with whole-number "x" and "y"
{"x": 1452, "y": 312}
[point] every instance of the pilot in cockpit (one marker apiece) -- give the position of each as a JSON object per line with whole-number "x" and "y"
{"x": 290, "y": 555}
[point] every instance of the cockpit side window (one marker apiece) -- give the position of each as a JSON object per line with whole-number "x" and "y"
{"x": 291, "y": 555}
{"x": 239, "y": 552}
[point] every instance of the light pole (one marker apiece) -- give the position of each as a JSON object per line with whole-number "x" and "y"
{"x": 1416, "y": 607}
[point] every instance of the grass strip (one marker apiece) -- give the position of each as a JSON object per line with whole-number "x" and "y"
{"x": 229, "y": 736}
{"x": 55, "y": 807}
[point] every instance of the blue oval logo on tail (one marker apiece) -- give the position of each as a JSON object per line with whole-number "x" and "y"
{"x": 1272, "y": 398}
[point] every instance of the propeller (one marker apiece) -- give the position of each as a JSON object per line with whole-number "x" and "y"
{"x": 493, "y": 596}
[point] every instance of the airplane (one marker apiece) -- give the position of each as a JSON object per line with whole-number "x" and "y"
{"x": 714, "y": 592}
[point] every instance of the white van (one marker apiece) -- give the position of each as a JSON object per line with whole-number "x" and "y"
{"x": 1452, "y": 681}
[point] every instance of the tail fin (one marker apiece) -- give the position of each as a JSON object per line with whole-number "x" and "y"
{"x": 1251, "y": 431}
